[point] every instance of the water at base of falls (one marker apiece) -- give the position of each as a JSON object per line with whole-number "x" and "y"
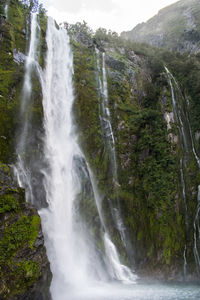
{"x": 141, "y": 291}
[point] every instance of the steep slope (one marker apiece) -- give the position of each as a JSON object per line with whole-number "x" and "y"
{"x": 24, "y": 266}
{"x": 148, "y": 150}
{"x": 176, "y": 27}
{"x": 152, "y": 181}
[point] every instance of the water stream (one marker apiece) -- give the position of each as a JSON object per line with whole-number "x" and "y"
{"x": 22, "y": 171}
{"x": 109, "y": 140}
{"x": 6, "y": 8}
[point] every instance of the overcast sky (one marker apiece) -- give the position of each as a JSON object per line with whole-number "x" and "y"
{"x": 117, "y": 15}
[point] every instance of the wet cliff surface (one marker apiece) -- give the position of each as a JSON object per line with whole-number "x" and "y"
{"x": 24, "y": 265}
{"x": 133, "y": 139}
{"x": 148, "y": 149}
{"x": 25, "y": 271}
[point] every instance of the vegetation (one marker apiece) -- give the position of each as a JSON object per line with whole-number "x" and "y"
{"x": 148, "y": 154}
{"x": 150, "y": 191}
{"x": 175, "y": 28}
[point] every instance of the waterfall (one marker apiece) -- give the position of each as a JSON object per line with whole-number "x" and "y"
{"x": 184, "y": 194}
{"x": 116, "y": 269}
{"x": 75, "y": 259}
{"x": 105, "y": 121}
{"x": 108, "y": 139}
{"x": 73, "y": 256}
{"x": 6, "y": 8}
{"x": 31, "y": 64}
{"x": 188, "y": 145}
{"x": 185, "y": 262}
{"x": 66, "y": 241}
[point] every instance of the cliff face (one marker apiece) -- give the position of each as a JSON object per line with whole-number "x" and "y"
{"x": 157, "y": 180}
{"x": 175, "y": 27}
{"x": 24, "y": 266}
{"x": 148, "y": 151}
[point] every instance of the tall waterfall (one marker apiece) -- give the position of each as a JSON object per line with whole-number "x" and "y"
{"x": 108, "y": 139}
{"x": 185, "y": 132}
{"x": 66, "y": 241}
{"x": 72, "y": 254}
{"x": 75, "y": 259}
{"x": 31, "y": 65}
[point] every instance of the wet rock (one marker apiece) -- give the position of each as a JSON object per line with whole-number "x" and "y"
{"x": 19, "y": 57}
{"x": 114, "y": 64}
{"x": 83, "y": 39}
{"x": 24, "y": 266}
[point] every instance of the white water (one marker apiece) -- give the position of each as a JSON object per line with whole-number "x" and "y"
{"x": 116, "y": 270}
{"x": 31, "y": 64}
{"x": 66, "y": 248}
{"x": 184, "y": 194}
{"x": 105, "y": 114}
{"x": 6, "y": 8}
{"x": 108, "y": 137}
{"x": 185, "y": 262}
{"x": 74, "y": 262}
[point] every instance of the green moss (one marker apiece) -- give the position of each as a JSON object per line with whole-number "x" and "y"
{"x": 16, "y": 236}
{"x": 8, "y": 203}
{"x": 26, "y": 273}
{"x": 5, "y": 168}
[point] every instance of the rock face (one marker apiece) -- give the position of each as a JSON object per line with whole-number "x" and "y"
{"x": 147, "y": 145}
{"x": 176, "y": 27}
{"x": 24, "y": 267}
{"x": 148, "y": 152}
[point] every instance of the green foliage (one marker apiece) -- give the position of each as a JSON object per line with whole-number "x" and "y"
{"x": 86, "y": 104}
{"x": 22, "y": 233}
{"x": 8, "y": 203}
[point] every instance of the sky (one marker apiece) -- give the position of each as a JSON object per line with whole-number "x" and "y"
{"x": 117, "y": 15}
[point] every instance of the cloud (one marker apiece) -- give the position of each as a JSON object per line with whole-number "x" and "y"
{"x": 76, "y": 6}
{"x": 117, "y": 15}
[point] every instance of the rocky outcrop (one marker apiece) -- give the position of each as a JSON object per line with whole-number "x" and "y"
{"x": 24, "y": 267}
{"x": 175, "y": 27}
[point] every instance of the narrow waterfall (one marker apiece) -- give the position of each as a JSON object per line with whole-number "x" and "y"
{"x": 6, "y": 8}
{"x": 31, "y": 65}
{"x": 108, "y": 138}
{"x": 116, "y": 269}
{"x": 184, "y": 194}
{"x": 188, "y": 145}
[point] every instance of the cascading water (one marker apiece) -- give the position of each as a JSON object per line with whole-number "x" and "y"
{"x": 69, "y": 248}
{"x": 184, "y": 194}
{"x": 6, "y": 8}
{"x": 188, "y": 145}
{"x": 108, "y": 138}
{"x": 79, "y": 270}
{"x": 31, "y": 64}
{"x": 116, "y": 270}
{"x": 67, "y": 245}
